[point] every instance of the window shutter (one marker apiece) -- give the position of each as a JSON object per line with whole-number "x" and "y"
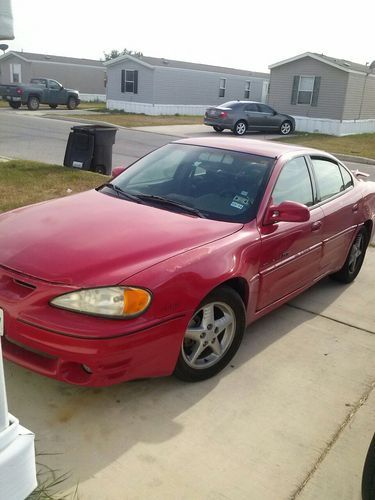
{"x": 295, "y": 89}
{"x": 315, "y": 94}
{"x": 135, "y": 82}
{"x": 122, "y": 80}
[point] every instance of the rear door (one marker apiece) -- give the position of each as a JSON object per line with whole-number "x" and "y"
{"x": 253, "y": 116}
{"x": 291, "y": 251}
{"x": 341, "y": 208}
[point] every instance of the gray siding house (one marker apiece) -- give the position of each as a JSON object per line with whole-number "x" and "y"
{"x": 86, "y": 75}
{"x": 154, "y": 86}
{"x": 324, "y": 94}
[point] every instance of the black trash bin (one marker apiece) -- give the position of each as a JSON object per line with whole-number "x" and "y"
{"x": 90, "y": 148}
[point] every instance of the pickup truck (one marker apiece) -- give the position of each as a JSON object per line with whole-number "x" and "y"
{"x": 39, "y": 91}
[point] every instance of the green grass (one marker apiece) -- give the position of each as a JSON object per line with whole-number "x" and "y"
{"x": 26, "y": 182}
{"x": 138, "y": 120}
{"x": 357, "y": 145}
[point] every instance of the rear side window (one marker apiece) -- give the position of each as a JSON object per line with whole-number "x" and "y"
{"x": 251, "y": 107}
{"x": 348, "y": 181}
{"x": 328, "y": 178}
{"x": 294, "y": 183}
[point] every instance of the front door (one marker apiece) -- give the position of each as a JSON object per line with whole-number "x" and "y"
{"x": 270, "y": 120}
{"x": 291, "y": 251}
{"x": 56, "y": 94}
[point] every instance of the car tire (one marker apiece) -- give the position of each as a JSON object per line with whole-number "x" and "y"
{"x": 14, "y": 105}
{"x": 72, "y": 103}
{"x": 286, "y": 128}
{"x": 240, "y": 127}
{"x": 53, "y": 106}
{"x": 212, "y": 337}
{"x": 354, "y": 260}
{"x": 33, "y": 103}
{"x": 218, "y": 129}
{"x": 368, "y": 475}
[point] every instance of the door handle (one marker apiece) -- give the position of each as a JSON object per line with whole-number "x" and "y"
{"x": 315, "y": 226}
{"x": 355, "y": 208}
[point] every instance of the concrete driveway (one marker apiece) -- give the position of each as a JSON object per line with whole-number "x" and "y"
{"x": 291, "y": 417}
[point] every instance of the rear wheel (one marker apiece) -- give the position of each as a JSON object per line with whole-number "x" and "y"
{"x": 212, "y": 337}
{"x": 354, "y": 261}
{"x": 14, "y": 104}
{"x": 53, "y": 106}
{"x": 240, "y": 127}
{"x": 218, "y": 129}
{"x": 33, "y": 103}
{"x": 285, "y": 128}
{"x": 72, "y": 103}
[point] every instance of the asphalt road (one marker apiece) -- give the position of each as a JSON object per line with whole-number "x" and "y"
{"x": 44, "y": 139}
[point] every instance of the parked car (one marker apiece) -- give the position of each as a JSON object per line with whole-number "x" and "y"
{"x": 39, "y": 91}
{"x": 368, "y": 475}
{"x": 241, "y": 116}
{"x": 160, "y": 270}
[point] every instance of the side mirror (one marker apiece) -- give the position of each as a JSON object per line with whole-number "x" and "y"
{"x": 117, "y": 171}
{"x": 287, "y": 211}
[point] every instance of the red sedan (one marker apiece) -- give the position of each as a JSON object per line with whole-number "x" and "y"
{"x": 160, "y": 270}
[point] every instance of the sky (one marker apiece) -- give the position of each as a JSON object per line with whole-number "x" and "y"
{"x": 246, "y": 35}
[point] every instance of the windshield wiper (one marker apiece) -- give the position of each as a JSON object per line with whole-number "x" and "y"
{"x": 172, "y": 203}
{"x": 121, "y": 193}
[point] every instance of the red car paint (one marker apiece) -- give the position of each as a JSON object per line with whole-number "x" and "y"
{"x": 92, "y": 239}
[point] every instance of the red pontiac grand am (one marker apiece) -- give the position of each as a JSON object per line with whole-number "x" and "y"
{"x": 160, "y": 270}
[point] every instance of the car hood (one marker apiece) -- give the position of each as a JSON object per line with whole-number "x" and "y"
{"x": 95, "y": 239}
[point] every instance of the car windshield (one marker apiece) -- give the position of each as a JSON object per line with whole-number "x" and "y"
{"x": 203, "y": 181}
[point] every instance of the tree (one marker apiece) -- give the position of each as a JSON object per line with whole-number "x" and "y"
{"x": 116, "y": 53}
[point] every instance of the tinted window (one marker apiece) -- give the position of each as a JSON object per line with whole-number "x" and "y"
{"x": 223, "y": 185}
{"x": 251, "y": 107}
{"x": 265, "y": 109}
{"x": 348, "y": 181}
{"x": 54, "y": 85}
{"x": 328, "y": 178}
{"x": 229, "y": 104}
{"x": 294, "y": 183}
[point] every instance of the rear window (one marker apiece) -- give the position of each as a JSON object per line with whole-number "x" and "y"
{"x": 230, "y": 104}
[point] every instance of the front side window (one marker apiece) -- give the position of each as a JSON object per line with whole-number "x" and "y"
{"x": 54, "y": 85}
{"x": 219, "y": 184}
{"x": 305, "y": 89}
{"x": 347, "y": 178}
{"x": 265, "y": 109}
{"x": 223, "y": 84}
{"x": 294, "y": 183}
{"x": 247, "y": 90}
{"x": 328, "y": 178}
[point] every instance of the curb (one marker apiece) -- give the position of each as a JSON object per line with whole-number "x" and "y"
{"x": 355, "y": 159}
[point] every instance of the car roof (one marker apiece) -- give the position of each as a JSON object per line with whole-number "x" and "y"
{"x": 271, "y": 149}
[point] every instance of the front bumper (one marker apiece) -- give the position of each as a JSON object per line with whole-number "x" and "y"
{"x": 80, "y": 349}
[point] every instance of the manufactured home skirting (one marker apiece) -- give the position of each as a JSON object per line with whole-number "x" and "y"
{"x": 157, "y": 109}
{"x": 92, "y": 97}
{"x": 334, "y": 127}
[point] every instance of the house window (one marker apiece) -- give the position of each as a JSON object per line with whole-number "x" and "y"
{"x": 129, "y": 81}
{"x": 15, "y": 73}
{"x": 305, "y": 90}
{"x": 223, "y": 83}
{"x": 247, "y": 90}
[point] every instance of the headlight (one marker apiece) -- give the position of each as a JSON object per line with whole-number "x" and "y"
{"x": 115, "y": 301}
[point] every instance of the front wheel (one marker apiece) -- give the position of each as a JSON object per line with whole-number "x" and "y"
{"x": 218, "y": 129}
{"x": 286, "y": 128}
{"x": 212, "y": 337}
{"x": 33, "y": 103}
{"x": 72, "y": 103}
{"x": 240, "y": 127}
{"x": 354, "y": 261}
{"x": 14, "y": 104}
